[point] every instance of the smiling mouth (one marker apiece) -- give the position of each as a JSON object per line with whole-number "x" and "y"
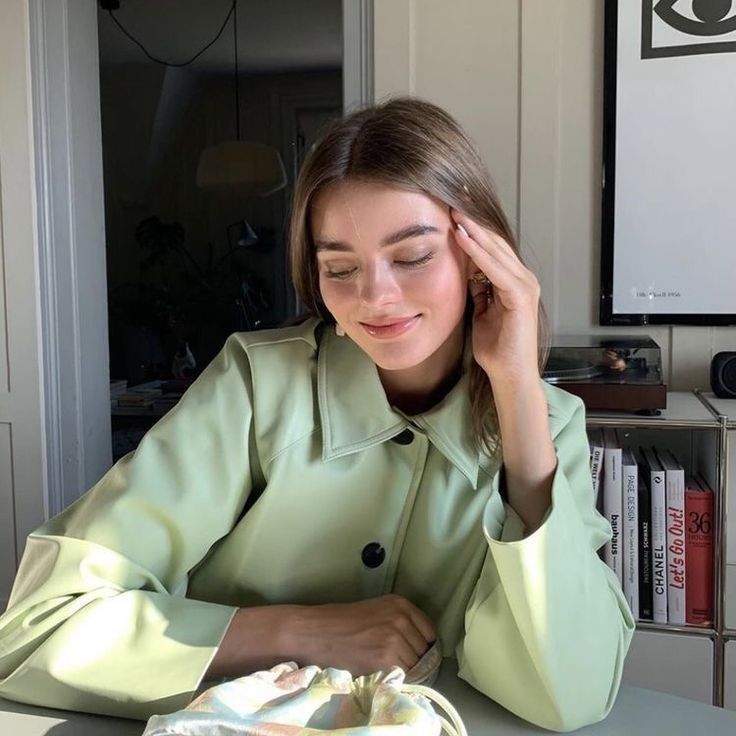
{"x": 391, "y": 328}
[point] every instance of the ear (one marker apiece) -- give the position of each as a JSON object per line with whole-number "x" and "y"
{"x": 470, "y": 267}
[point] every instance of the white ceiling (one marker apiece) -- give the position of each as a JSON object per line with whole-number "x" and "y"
{"x": 273, "y": 35}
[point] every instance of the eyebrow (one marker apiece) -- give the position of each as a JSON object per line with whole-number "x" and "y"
{"x": 410, "y": 231}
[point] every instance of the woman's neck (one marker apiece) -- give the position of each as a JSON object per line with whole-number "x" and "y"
{"x": 415, "y": 390}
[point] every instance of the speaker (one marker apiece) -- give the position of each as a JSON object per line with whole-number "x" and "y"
{"x": 723, "y": 374}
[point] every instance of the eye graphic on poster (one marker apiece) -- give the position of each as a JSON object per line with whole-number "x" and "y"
{"x": 687, "y": 27}
{"x": 668, "y": 249}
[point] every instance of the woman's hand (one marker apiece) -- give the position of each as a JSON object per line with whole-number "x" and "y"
{"x": 504, "y": 326}
{"x": 363, "y": 637}
{"x": 505, "y": 345}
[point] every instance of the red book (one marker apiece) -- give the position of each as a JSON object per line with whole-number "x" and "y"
{"x": 698, "y": 553}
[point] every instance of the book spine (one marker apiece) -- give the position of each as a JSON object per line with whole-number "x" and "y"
{"x": 630, "y": 550}
{"x": 596, "y": 468}
{"x": 612, "y": 506}
{"x": 699, "y": 557}
{"x": 675, "y": 494}
{"x": 645, "y": 551}
{"x": 659, "y": 547}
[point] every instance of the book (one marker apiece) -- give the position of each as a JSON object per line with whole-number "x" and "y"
{"x": 658, "y": 535}
{"x": 595, "y": 443}
{"x": 612, "y": 499}
{"x": 675, "y": 499}
{"x": 644, "y": 517}
{"x": 630, "y": 529}
{"x": 118, "y": 386}
{"x": 698, "y": 552}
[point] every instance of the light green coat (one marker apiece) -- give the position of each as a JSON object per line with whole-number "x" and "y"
{"x": 121, "y": 601}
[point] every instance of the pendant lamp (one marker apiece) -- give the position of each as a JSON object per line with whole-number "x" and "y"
{"x": 248, "y": 167}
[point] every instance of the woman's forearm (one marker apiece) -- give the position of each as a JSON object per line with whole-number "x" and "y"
{"x": 254, "y": 640}
{"x": 528, "y": 453}
{"x": 362, "y": 637}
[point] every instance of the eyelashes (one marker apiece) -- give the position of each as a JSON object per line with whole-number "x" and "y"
{"x": 340, "y": 275}
{"x": 416, "y": 262}
{"x": 347, "y": 273}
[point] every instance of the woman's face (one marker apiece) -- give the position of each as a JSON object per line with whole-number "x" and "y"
{"x": 390, "y": 270}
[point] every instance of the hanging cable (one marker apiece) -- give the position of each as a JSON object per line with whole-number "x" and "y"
{"x": 237, "y": 85}
{"x": 232, "y": 11}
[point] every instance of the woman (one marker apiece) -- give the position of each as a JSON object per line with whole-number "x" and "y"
{"x": 344, "y": 492}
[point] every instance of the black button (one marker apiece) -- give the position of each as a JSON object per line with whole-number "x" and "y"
{"x": 373, "y": 554}
{"x": 404, "y": 438}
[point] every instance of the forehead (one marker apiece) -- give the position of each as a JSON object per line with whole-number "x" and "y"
{"x": 367, "y": 210}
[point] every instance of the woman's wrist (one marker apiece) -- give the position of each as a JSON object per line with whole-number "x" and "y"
{"x": 529, "y": 456}
{"x": 510, "y": 384}
{"x": 257, "y": 638}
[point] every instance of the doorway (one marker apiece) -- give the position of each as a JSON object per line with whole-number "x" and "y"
{"x": 77, "y": 449}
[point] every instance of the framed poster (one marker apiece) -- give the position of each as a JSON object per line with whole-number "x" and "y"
{"x": 668, "y": 253}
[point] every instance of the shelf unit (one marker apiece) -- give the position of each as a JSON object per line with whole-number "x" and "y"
{"x": 671, "y": 657}
{"x": 725, "y": 411}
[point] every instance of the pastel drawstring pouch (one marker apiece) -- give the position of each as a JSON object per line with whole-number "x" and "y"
{"x": 288, "y": 700}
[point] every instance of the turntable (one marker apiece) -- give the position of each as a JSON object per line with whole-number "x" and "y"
{"x": 621, "y": 373}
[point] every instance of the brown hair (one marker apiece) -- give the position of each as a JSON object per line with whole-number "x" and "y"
{"x": 411, "y": 144}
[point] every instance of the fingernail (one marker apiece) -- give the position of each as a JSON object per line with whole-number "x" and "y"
{"x": 462, "y": 230}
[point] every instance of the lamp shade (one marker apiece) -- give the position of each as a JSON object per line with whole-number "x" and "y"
{"x": 251, "y": 168}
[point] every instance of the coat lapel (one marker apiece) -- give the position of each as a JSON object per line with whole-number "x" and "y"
{"x": 355, "y": 413}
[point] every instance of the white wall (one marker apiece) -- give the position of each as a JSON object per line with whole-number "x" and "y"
{"x": 72, "y": 288}
{"x": 21, "y": 431}
{"x": 525, "y": 77}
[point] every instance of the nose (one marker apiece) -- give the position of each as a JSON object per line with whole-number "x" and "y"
{"x": 378, "y": 285}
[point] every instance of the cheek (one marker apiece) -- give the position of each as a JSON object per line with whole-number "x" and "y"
{"x": 448, "y": 284}
{"x": 335, "y": 294}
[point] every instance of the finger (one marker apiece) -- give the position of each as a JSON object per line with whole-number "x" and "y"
{"x": 405, "y": 608}
{"x": 482, "y": 234}
{"x": 491, "y": 242}
{"x": 413, "y": 635}
{"x": 497, "y": 272}
{"x": 494, "y": 254}
{"x": 401, "y": 654}
{"x": 423, "y": 624}
{"x": 408, "y": 658}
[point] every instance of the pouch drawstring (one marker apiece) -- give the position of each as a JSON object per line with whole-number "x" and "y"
{"x": 454, "y": 727}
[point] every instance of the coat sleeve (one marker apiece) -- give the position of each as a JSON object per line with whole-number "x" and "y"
{"x": 547, "y": 627}
{"x": 98, "y": 620}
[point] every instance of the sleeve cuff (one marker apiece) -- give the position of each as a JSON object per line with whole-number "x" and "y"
{"x": 501, "y": 523}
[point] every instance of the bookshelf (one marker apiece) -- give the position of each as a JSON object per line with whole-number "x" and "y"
{"x": 725, "y": 411}
{"x": 690, "y": 661}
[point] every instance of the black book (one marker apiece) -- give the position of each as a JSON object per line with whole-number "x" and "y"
{"x": 644, "y": 498}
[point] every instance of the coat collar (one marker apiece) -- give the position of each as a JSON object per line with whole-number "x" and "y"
{"x": 355, "y": 413}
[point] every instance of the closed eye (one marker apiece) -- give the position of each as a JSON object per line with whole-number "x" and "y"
{"x": 416, "y": 262}
{"x": 347, "y": 273}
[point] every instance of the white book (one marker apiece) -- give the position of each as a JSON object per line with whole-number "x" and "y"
{"x": 675, "y": 498}
{"x": 630, "y": 526}
{"x": 612, "y": 500}
{"x": 658, "y": 535}
{"x": 595, "y": 443}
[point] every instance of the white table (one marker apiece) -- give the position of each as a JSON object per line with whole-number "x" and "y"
{"x": 637, "y": 712}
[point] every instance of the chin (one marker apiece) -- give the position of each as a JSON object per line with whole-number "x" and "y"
{"x": 398, "y": 357}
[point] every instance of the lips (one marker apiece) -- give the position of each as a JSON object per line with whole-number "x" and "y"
{"x": 390, "y": 327}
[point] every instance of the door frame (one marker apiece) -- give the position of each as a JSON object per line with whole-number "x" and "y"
{"x": 74, "y": 348}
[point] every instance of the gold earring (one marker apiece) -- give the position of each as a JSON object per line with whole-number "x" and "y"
{"x": 479, "y": 278}
{"x": 339, "y": 330}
